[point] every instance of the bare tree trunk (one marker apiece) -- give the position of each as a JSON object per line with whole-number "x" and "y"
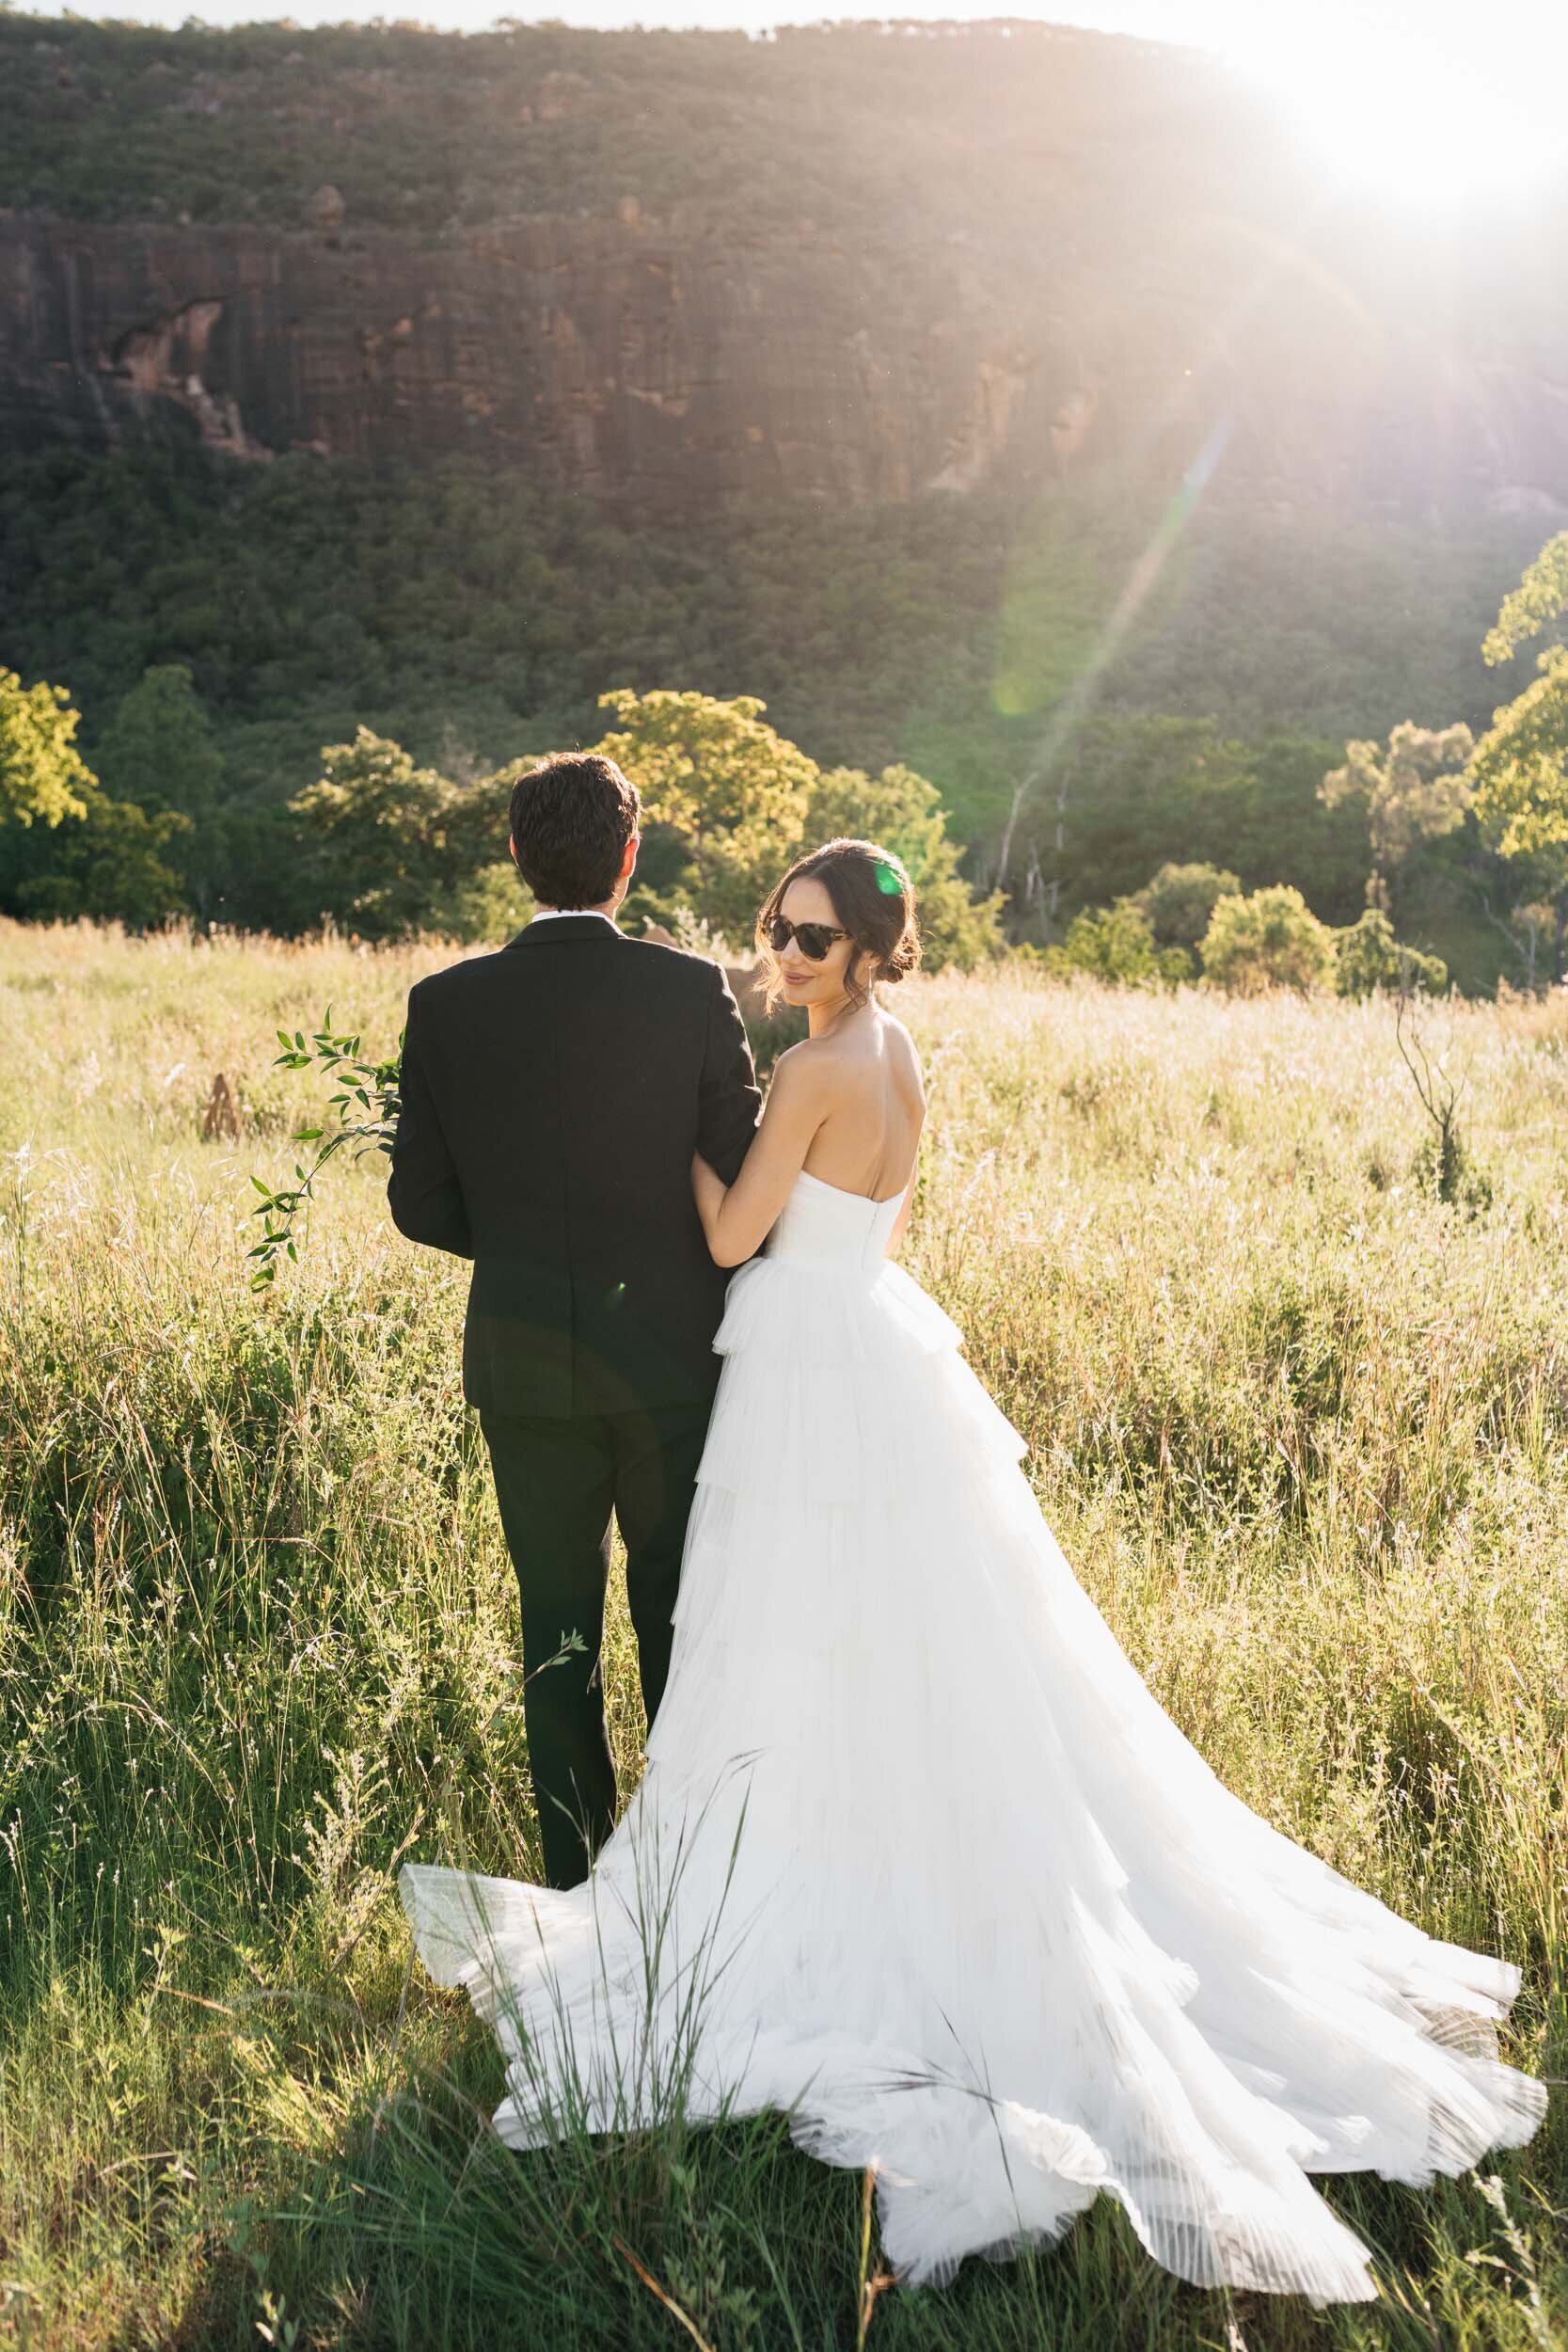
{"x": 1004, "y": 855}
{"x": 1526, "y": 953}
{"x": 1560, "y": 945}
{"x": 1060, "y": 844}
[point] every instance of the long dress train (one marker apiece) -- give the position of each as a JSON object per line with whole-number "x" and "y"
{"x": 919, "y": 1858}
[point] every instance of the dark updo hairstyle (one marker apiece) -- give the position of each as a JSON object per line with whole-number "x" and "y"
{"x": 873, "y": 900}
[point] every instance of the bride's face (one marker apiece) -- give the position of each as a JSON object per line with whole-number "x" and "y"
{"x": 806, "y": 983}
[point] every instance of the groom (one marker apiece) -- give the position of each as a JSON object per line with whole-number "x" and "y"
{"x": 551, "y": 1097}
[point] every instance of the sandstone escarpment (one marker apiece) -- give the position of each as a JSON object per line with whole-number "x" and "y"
{"x": 695, "y": 274}
{"x": 670, "y": 376}
{"x": 665, "y": 378}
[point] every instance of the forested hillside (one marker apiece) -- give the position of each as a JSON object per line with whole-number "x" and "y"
{"x": 431, "y": 131}
{"x": 1008, "y": 403}
{"x": 473, "y": 618}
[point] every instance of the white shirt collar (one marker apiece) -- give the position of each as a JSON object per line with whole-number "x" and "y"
{"x": 553, "y": 914}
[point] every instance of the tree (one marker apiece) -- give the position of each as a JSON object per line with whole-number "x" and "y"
{"x": 158, "y": 748}
{"x": 389, "y": 844}
{"x": 158, "y": 751}
{"x": 1520, "y": 766}
{"x": 1125, "y": 793}
{"x": 1114, "y": 943}
{"x": 728, "y": 802}
{"x": 902, "y": 812}
{"x": 728, "y": 793}
{"x": 1415, "y": 790}
{"x": 1540, "y": 598}
{"x": 102, "y": 857}
{"x": 43, "y": 778}
{"x": 490, "y": 907}
{"x": 1178, "y": 902}
{"x": 115, "y": 862}
{"x": 1269, "y": 940}
{"x": 1368, "y": 957}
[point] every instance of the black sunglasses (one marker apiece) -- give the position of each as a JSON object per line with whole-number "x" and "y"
{"x": 813, "y": 939}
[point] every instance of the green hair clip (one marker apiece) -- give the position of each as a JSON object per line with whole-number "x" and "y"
{"x": 889, "y": 878}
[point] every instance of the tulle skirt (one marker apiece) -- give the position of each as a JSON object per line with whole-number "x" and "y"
{"x": 919, "y": 1859}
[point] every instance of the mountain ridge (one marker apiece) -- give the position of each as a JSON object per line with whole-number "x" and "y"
{"x": 841, "y": 267}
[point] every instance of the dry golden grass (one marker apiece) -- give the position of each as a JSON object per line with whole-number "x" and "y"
{"x": 1299, "y": 1425}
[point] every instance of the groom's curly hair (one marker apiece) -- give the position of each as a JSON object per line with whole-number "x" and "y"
{"x": 571, "y": 820}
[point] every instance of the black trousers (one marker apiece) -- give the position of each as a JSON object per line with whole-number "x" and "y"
{"x": 557, "y": 1481}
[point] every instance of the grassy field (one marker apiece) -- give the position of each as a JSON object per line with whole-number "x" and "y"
{"x": 1299, "y": 1425}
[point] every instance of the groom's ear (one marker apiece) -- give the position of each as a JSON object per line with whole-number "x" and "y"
{"x": 628, "y": 858}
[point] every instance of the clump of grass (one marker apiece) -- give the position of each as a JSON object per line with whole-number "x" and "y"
{"x": 1444, "y": 1164}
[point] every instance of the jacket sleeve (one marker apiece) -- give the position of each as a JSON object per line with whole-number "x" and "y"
{"x": 423, "y": 1190}
{"x": 729, "y": 1100}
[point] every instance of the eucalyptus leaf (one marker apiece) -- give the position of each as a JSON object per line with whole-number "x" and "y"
{"x": 371, "y": 1087}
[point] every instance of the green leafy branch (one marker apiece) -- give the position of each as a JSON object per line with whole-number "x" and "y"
{"x": 367, "y": 1107}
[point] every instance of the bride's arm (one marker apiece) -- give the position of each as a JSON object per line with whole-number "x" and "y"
{"x": 738, "y": 1217}
{"x": 901, "y": 1222}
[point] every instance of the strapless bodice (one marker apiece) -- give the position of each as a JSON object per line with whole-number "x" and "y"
{"x": 829, "y": 1229}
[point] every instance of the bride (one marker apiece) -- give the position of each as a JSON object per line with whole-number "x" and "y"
{"x": 917, "y": 1857}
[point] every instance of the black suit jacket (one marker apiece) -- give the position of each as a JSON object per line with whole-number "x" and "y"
{"x": 551, "y": 1097}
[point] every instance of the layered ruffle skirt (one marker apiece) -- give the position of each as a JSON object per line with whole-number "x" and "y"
{"x": 919, "y": 1859}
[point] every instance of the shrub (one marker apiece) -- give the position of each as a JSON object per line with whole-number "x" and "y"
{"x": 1114, "y": 943}
{"x": 1368, "y": 957}
{"x": 1178, "y": 902}
{"x": 1269, "y": 940}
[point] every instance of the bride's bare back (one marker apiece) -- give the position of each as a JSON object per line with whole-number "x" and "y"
{"x": 870, "y": 1073}
{"x": 844, "y": 1108}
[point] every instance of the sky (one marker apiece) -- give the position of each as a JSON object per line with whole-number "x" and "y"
{"x": 1430, "y": 102}
{"x": 1450, "y": 25}
{"x": 1156, "y": 20}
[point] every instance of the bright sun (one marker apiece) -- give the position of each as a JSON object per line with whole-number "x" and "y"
{"x": 1434, "y": 109}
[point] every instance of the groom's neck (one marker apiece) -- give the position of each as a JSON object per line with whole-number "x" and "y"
{"x": 606, "y": 905}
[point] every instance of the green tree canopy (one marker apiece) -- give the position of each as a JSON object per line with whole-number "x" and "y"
{"x": 389, "y": 846}
{"x": 1367, "y": 956}
{"x": 1414, "y": 791}
{"x": 158, "y": 750}
{"x": 115, "y": 862}
{"x": 1540, "y": 598}
{"x": 902, "y": 812}
{"x": 729, "y": 795}
{"x": 729, "y": 803}
{"x": 1114, "y": 943}
{"x": 1520, "y": 767}
{"x": 1269, "y": 940}
{"x": 43, "y": 778}
{"x": 1178, "y": 902}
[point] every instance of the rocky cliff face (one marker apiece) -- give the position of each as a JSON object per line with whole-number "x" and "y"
{"x": 690, "y": 273}
{"x": 664, "y": 377}
{"x": 673, "y": 375}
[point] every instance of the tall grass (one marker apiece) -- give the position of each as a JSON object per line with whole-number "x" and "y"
{"x": 1299, "y": 1424}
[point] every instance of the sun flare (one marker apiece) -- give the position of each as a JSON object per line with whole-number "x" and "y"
{"x": 1434, "y": 110}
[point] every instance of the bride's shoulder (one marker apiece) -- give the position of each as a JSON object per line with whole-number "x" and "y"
{"x": 812, "y": 1064}
{"x": 902, "y": 1050}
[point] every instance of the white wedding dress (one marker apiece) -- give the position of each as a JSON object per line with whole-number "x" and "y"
{"x": 919, "y": 1858}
